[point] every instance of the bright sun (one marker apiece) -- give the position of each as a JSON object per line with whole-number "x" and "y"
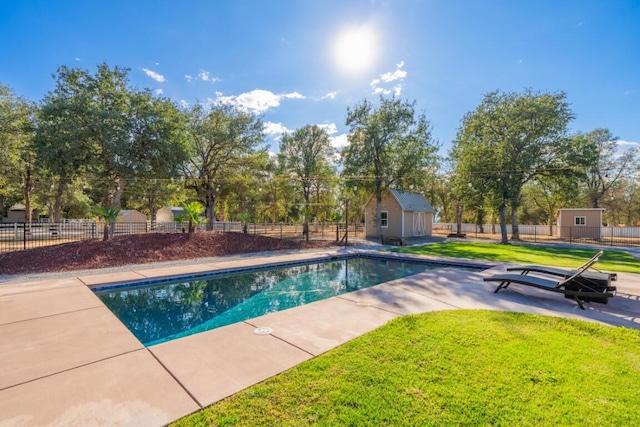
{"x": 355, "y": 49}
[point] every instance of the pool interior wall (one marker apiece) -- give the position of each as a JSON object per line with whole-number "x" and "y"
{"x": 161, "y": 310}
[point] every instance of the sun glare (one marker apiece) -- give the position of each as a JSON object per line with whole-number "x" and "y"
{"x": 355, "y": 49}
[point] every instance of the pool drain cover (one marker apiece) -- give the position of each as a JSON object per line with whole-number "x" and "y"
{"x": 265, "y": 330}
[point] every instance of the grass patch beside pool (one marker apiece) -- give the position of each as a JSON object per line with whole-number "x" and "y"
{"x": 457, "y": 367}
{"x": 560, "y": 256}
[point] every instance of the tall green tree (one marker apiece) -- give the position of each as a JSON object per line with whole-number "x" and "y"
{"x": 222, "y": 141}
{"x": 17, "y": 167}
{"x": 387, "y": 143}
{"x": 604, "y": 163}
{"x": 305, "y": 158}
{"x": 509, "y": 139}
{"x": 100, "y": 126}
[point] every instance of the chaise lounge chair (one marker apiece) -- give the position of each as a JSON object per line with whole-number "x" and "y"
{"x": 576, "y": 286}
{"x": 595, "y": 277}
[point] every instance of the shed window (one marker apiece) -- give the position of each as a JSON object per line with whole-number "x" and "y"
{"x": 384, "y": 219}
{"x": 580, "y": 220}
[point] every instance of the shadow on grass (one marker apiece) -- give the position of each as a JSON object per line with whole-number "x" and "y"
{"x": 524, "y": 254}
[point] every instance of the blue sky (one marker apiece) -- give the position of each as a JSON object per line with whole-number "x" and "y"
{"x": 279, "y": 57}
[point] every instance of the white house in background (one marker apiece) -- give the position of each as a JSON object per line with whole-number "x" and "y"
{"x": 403, "y": 215}
{"x": 580, "y": 223}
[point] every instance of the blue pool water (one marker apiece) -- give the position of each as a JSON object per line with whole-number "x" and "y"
{"x": 159, "y": 312}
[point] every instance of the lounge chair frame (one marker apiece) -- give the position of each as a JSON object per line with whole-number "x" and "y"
{"x": 575, "y": 286}
{"x": 596, "y": 277}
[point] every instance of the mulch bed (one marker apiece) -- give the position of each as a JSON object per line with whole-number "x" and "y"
{"x": 142, "y": 249}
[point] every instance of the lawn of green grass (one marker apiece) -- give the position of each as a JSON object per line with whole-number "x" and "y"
{"x": 457, "y": 368}
{"x": 561, "y": 256}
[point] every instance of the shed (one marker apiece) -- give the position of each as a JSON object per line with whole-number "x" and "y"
{"x": 580, "y": 223}
{"x": 131, "y": 215}
{"x": 16, "y": 213}
{"x": 169, "y": 213}
{"x": 403, "y": 215}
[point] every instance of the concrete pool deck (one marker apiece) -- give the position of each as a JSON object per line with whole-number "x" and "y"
{"x": 67, "y": 360}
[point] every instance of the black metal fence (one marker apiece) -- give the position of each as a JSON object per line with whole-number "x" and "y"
{"x": 22, "y": 236}
{"x": 600, "y": 236}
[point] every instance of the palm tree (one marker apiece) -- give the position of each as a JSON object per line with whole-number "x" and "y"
{"x": 192, "y": 211}
{"x": 109, "y": 216}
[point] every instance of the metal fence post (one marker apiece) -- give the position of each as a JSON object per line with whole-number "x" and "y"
{"x": 24, "y": 236}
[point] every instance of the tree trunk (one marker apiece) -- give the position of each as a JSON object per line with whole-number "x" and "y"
{"x": 515, "y": 232}
{"x": 27, "y": 206}
{"x": 503, "y": 224}
{"x": 209, "y": 205}
{"x": 305, "y": 226}
{"x": 459, "y": 213}
{"x": 118, "y": 194}
{"x": 550, "y": 223}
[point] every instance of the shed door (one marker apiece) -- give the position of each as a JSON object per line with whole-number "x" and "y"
{"x": 419, "y": 219}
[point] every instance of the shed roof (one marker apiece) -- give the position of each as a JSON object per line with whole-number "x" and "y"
{"x": 411, "y": 201}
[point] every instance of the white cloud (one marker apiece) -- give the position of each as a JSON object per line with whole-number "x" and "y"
{"x": 158, "y": 91}
{"x": 275, "y": 129}
{"x": 330, "y": 128}
{"x": 257, "y": 101}
{"x": 155, "y": 76}
{"x": 392, "y": 77}
{"x": 340, "y": 141}
{"x": 206, "y": 77}
{"x": 628, "y": 143}
{"x": 379, "y": 85}
{"x": 77, "y": 59}
{"x": 183, "y": 103}
{"x": 330, "y": 95}
{"x": 293, "y": 95}
{"x": 203, "y": 75}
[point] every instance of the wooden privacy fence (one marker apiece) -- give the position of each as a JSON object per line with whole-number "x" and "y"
{"x": 22, "y": 236}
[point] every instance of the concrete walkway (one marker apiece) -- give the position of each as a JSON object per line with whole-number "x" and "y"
{"x": 67, "y": 360}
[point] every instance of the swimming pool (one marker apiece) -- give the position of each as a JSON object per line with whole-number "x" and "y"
{"x": 163, "y": 310}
